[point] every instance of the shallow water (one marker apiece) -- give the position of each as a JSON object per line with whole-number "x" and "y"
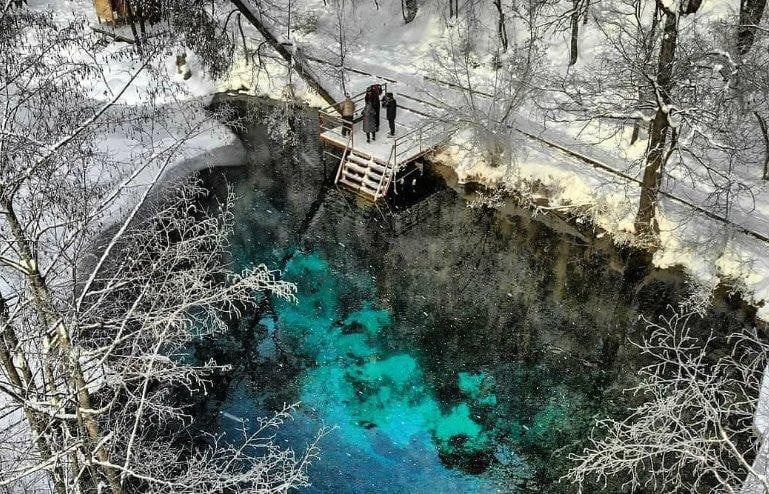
{"x": 452, "y": 349}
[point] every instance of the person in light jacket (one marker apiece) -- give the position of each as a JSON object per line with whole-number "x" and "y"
{"x": 347, "y": 109}
{"x": 369, "y": 122}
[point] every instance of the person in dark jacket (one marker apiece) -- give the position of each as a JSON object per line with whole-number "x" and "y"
{"x": 372, "y": 96}
{"x": 369, "y": 122}
{"x": 391, "y": 106}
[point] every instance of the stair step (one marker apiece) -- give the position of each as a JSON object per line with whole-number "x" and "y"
{"x": 359, "y": 160}
{"x": 364, "y": 181}
{"x": 378, "y": 168}
{"x": 358, "y": 187}
{"x": 365, "y": 159}
{"x": 362, "y": 170}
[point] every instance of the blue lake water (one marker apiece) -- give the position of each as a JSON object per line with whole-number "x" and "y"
{"x": 450, "y": 349}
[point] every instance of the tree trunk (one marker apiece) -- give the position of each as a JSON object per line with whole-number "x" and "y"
{"x": 501, "y": 27}
{"x": 43, "y": 304}
{"x": 21, "y": 380}
{"x": 342, "y": 50}
{"x": 636, "y": 132}
{"x": 691, "y": 6}
{"x": 751, "y": 12}
{"x": 141, "y": 15}
{"x": 765, "y": 134}
{"x": 130, "y": 12}
{"x": 648, "y": 42}
{"x": 574, "y": 51}
{"x": 409, "y": 9}
{"x": 645, "y": 222}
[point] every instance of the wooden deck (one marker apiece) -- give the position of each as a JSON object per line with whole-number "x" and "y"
{"x": 369, "y": 168}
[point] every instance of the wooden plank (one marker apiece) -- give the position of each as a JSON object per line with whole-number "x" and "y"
{"x": 104, "y": 11}
{"x": 359, "y": 190}
{"x": 333, "y": 142}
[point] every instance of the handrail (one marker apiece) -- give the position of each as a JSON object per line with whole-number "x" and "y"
{"x": 418, "y": 100}
{"x": 344, "y": 156}
{"x": 354, "y": 98}
{"x": 421, "y": 128}
{"x": 392, "y": 166}
{"x": 432, "y": 130}
{"x": 403, "y": 145}
{"x": 429, "y": 129}
{"x": 350, "y": 69}
{"x": 379, "y": 191}
{"x": 330, "y": 123}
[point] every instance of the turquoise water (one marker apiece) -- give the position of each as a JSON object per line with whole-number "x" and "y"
{"x": 389, "y": 429}
{"x": 451, "y": 349}
{"x": 405, "y": 417}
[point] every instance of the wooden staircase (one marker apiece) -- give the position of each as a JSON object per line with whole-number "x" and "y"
{"x": 370, "y": 174}
{"x": 363, "y": 174}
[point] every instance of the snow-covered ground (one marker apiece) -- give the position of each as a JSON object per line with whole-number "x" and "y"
{"x": 183, "y": 139}
{"x": 384, "y": 47}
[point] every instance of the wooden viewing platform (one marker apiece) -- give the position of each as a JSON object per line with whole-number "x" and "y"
{"x": 370, "y": 169}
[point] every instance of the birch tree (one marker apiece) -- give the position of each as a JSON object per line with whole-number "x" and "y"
{"x": 105, "y": 281}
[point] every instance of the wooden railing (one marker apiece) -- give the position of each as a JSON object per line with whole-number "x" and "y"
{"x": 344, "y": 155}
{"x": 413, "y": 143}
{"x": 330, "y": 119}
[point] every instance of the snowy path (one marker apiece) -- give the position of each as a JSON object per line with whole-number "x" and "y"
{"x": 693, "y": 232}
{"x": 751, "y": 224}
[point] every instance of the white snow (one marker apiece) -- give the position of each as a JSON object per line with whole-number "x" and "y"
{"x": 387, "y": 48}
{"x": 207, "y": 143}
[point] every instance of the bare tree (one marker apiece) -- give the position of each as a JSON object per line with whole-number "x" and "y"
{"x": 692, "y": 432}
{"x": 486, "y": 106}
{"x": 346, "y": 35}
{"x": 660, "y": 68}
{"x": 501, "y": 25}
{"x": 662, "y": 135}
{"x": 104, "y": 285}
{"x": 751, "y": 13}
{"x": 578, "y": 15}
